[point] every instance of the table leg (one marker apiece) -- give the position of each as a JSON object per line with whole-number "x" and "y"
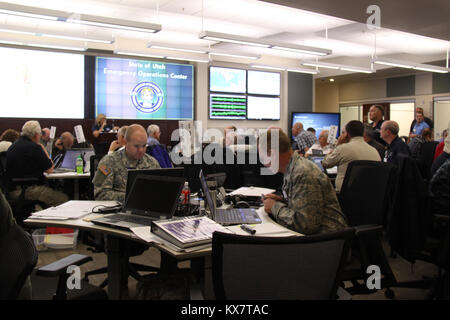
{"x": 76, "y": 189}
{"x": 117, "y": 269}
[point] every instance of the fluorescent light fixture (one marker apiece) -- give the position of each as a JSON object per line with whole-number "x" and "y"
{"x": 138, "y": 54}
{"x": 303, "y": 49}
{"x": 335, "y": 66}
{"x": 150, "y": 55}
{"x": 106, "y": 22}
{"x": 54, "y": 35}
{"x": 393, "y": 63}
{"x": 410, "y": 65}
{"x": 29, "y": 12}
{"x": 223, "y": 37}
{"x": 11, "y": 42}
{"x": 202, "y": 51}
{"x": 55, "y": 47}
{"x": 234, "y": 55}
{"x": 302, "y": 70}
{"x": 96, "y": 21}
{"x": 267, "y": 67}
{"x": 168, "y": 47}
{"x": 188, "y": 59}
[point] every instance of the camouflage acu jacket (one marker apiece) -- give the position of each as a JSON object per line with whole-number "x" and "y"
{"x": 312, "y": 205}
{"x": 110, "y": 180}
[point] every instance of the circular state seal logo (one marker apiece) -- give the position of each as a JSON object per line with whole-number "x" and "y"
{"x": 147, "y": 97}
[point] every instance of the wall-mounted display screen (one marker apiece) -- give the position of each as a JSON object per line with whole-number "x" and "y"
{"x": 263, "y": 108}
{"x": 226, "y": 106}
{"x": 258, "y": 99}
{"x": 142, "y": 89}
{"x": 227, "y": 80}
{"x": 265, "y": 83}
{"x": 41, "y": 84}
{"x": 318, "y": 121}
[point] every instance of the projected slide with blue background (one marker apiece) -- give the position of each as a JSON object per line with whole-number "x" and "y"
{"x": 141, "y": 89}
{"x": 318, "y": 121}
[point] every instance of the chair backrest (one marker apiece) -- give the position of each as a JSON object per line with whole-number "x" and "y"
{"x": 18, "y": 257}
{"x": 300, "y": 268}
{"x": 364, "y": 193}
{"x": 3, "y": 171}
{"x": 93, "y": 162}
{"x": 426, "y": 156}
{"x": 160, "y": 153}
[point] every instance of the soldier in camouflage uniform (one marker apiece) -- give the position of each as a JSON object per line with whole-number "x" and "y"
{"x": 309, "y": 204}
{"x": 110, "y": 180}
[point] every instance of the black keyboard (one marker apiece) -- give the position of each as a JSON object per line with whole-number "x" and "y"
{"x": 236, "y": 216}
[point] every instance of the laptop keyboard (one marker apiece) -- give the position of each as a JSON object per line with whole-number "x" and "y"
{"x": 130, "y": 218}
{"x": 234, "y": 216}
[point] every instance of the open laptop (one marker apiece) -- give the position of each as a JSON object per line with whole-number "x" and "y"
{"x": 68, "y": 162}
{"x": 318, "y": 162}
{"x": 227, "y": 216}
{"x": 166, "y": 172}
{"x": 151, "y": 198}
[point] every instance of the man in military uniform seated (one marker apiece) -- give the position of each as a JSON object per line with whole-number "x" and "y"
{"x": 309, "y": 204}
{"x": 110, "y": 180}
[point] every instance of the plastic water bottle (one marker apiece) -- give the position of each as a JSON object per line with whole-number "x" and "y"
{"x": 79, "y": 164}
{"x": 186, "y": 193}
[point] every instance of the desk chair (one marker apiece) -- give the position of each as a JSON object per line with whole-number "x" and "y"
{"x": 294, "y": 268}
{"x": 21, "y": 207}
{"x": 426, "y": 157}
{"x": 19, "y": 256}
{"x": 364, "y": 199}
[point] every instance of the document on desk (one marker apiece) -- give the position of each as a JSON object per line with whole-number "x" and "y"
{"x": 68, "y": 210}
{"x": 252, "y": 191}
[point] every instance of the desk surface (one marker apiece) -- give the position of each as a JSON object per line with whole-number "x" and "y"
{"x": 267, "y": 228}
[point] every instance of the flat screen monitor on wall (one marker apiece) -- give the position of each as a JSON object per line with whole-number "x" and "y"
{"x": 41, "y": 84}
{"x": 265, "y": 83}
{"x": 227, "y": 106}
{"x": 142, "y": 89}
{"x": 317, "y": 120}
{"x": 263, "y": 108}
{"x": 227, "y": 80}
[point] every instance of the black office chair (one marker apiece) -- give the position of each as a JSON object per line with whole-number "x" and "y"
{"x": 364, "y": 199}
{"x": 19, "y": 256}
{"x": 426, "y": 157}
{"x": 300, "y": 268}
{"x": 21, "y": 207}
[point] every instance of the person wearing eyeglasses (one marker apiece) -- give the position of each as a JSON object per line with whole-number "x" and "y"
{"x": 110, "y": 179}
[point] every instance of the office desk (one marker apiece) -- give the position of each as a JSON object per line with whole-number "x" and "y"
{"x": 72, "y": 176}
{"x": 117, "y": 262}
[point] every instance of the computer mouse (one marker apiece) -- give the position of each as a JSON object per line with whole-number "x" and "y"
{"x": 241, "y": 204}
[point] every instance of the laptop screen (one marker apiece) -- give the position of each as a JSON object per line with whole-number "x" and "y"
{"x": 154, "y": 196}
{"x": 209, "y": 200}
{"x": 166, "y": 172}
{"x": 69, "y": 160}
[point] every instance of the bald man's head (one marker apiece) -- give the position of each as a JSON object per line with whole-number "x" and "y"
{"x": 297, "y": 128}
{"x": 67, "y": 140}
{"x": 136, "y": 142}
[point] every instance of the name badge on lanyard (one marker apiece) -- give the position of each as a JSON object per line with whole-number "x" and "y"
{"x": 285, "y": 195}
